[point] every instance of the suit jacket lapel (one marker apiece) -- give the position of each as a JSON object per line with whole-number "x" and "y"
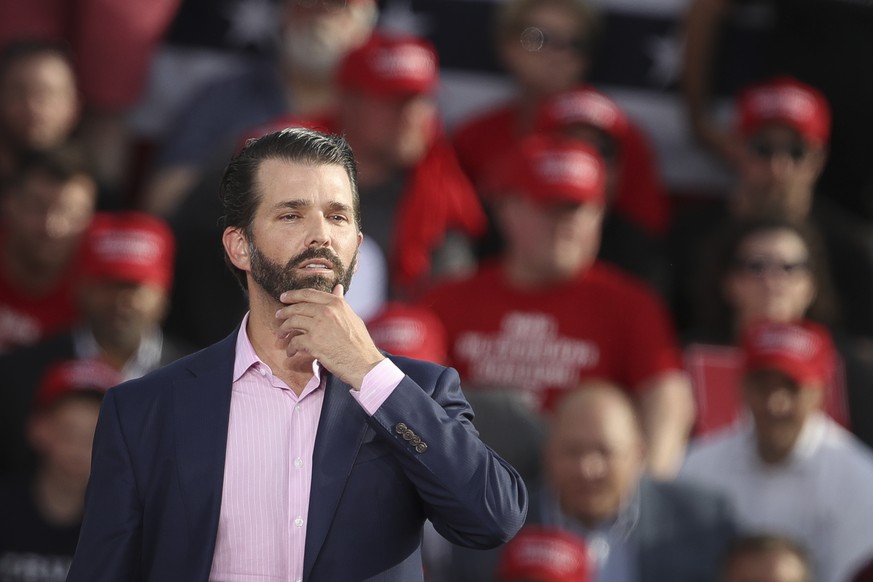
{"x": 202, "y": 410}
{"x": 341, "y": 429}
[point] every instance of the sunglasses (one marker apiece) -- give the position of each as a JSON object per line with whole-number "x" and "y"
{"x": 760, "y": 267}
{"x": 534, "y": 39}
{"x": 766, "y": 150}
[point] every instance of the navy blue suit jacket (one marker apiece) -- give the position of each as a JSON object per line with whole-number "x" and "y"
{"x": 154, "y": 497}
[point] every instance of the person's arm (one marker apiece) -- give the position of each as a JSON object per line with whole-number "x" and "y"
{"x": 702, "y": 21}
{"x": 472, "y": 496}
{"x": 110, "y": 540}
{"x": 667, "y": 413}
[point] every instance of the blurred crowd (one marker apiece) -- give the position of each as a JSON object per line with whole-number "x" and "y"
{"x": 678, "y": 361}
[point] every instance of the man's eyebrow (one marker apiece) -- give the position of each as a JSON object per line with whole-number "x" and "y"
{"x": 339, "y": 207}
{"x": 300, "y": 203}
{"x": 291, "y": 204}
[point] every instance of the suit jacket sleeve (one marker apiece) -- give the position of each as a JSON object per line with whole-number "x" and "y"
{"x": 110, "y": 539}
{"x": 472, "y": 496}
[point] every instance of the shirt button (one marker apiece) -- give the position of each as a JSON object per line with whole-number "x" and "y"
{"x": 298, "y": 462}
{"x": 262, "y": 371}
{"x": 298, "y": 522}
{"x": 297, "y": 408}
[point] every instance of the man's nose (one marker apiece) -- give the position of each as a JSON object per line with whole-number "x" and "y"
{"x": 592, "y": 466}
{"x": 318, "y": 232}
{"x": 778, "y": 403}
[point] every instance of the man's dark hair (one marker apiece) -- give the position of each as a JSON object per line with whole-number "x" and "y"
{"x": 60, "y": 164}
{"x": 25, "y": 48}
{"x": 763, "y": 543}
{"x": 238, "y": 188}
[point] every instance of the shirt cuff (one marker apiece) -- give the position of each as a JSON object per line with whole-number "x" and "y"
{"x": 378, "y": 385}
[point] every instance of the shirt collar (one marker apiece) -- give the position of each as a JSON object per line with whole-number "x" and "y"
{"x": 246, "y": 357}
{"x": 808, "y": 441}
{"x": 146, "y": 358}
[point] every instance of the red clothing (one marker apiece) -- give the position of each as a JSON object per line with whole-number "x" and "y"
{"x": 25, "y": 319}
{"x": 602, "y": 324}
{"x": 111, "y": 40}
{"x": 437, "y": 198}
{"x": 640, "y": 193}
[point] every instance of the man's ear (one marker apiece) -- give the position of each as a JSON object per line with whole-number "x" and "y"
{"x": 236, "y": 245}
{"x": 360, "y": 241}
{"x": 39, "y": 432}
{"x": 821, "y": 158}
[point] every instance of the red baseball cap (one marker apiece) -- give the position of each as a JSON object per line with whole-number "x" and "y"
{"x": 68, "y": 376}
{"x": 129, "y": 246}
{"x": 582, "y": 105}
{"x": 391, "y": 65}
{"x": 545, "y": 555}
{"x": 550, "y": 169}
{"x": 787, "y": 101}
{"x": 410, "y": 331}
{"x": 802, "y": 351}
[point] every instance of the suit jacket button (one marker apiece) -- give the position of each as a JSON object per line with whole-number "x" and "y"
{"x": 400, "y": 428}
{"x": 420, "y": 448}
{"x": 408, "y": 435}
{"x": 416, "y": 440}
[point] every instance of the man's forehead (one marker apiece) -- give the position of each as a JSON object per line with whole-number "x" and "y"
{"x": 302, "y": 174}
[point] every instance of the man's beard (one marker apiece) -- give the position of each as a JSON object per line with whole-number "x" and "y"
{"x": 275, "y": 279}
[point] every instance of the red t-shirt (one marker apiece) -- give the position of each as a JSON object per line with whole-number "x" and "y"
{"x": 640, "y": 194}
{"x": 602, "y": 324}
{"x": 25, "y": 318}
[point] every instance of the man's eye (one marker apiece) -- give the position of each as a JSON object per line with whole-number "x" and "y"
{"x": 288, "y": 217}
{"x": 339, "y": 218}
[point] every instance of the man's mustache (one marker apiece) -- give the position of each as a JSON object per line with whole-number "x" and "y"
{"x": 316, "y": 253}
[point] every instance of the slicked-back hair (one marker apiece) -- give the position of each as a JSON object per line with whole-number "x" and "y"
{"x": 239, "y": 190}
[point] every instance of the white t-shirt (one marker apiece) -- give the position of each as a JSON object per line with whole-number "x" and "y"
{"x": 822, "y": 495}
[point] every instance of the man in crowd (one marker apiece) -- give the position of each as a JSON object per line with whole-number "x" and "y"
{"x": 122, "y": 292}
{"x": 595, "y": 489}
{"x": 783, "y": 128}
{"x": 39, "y": 102}
{"x": 547, "y": 315}
{"x": 40, "y": 515}
{"x": 46, "y": 208}
{"x": 314, "y": 38}
{"x": 792, "y": 469}
{"x": 353, "y": 451}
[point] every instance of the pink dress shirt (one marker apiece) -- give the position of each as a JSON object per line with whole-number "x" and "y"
{"x": 268, "y": 466}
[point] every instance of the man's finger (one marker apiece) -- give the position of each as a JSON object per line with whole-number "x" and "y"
{"x": 338, "y": 290}
{"x": 305, "y": 296}
{"x": 308, "y": 309}
{"x": 299, "y": 323}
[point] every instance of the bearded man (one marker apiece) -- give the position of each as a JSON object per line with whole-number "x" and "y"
{"x": 293, "y": 449}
